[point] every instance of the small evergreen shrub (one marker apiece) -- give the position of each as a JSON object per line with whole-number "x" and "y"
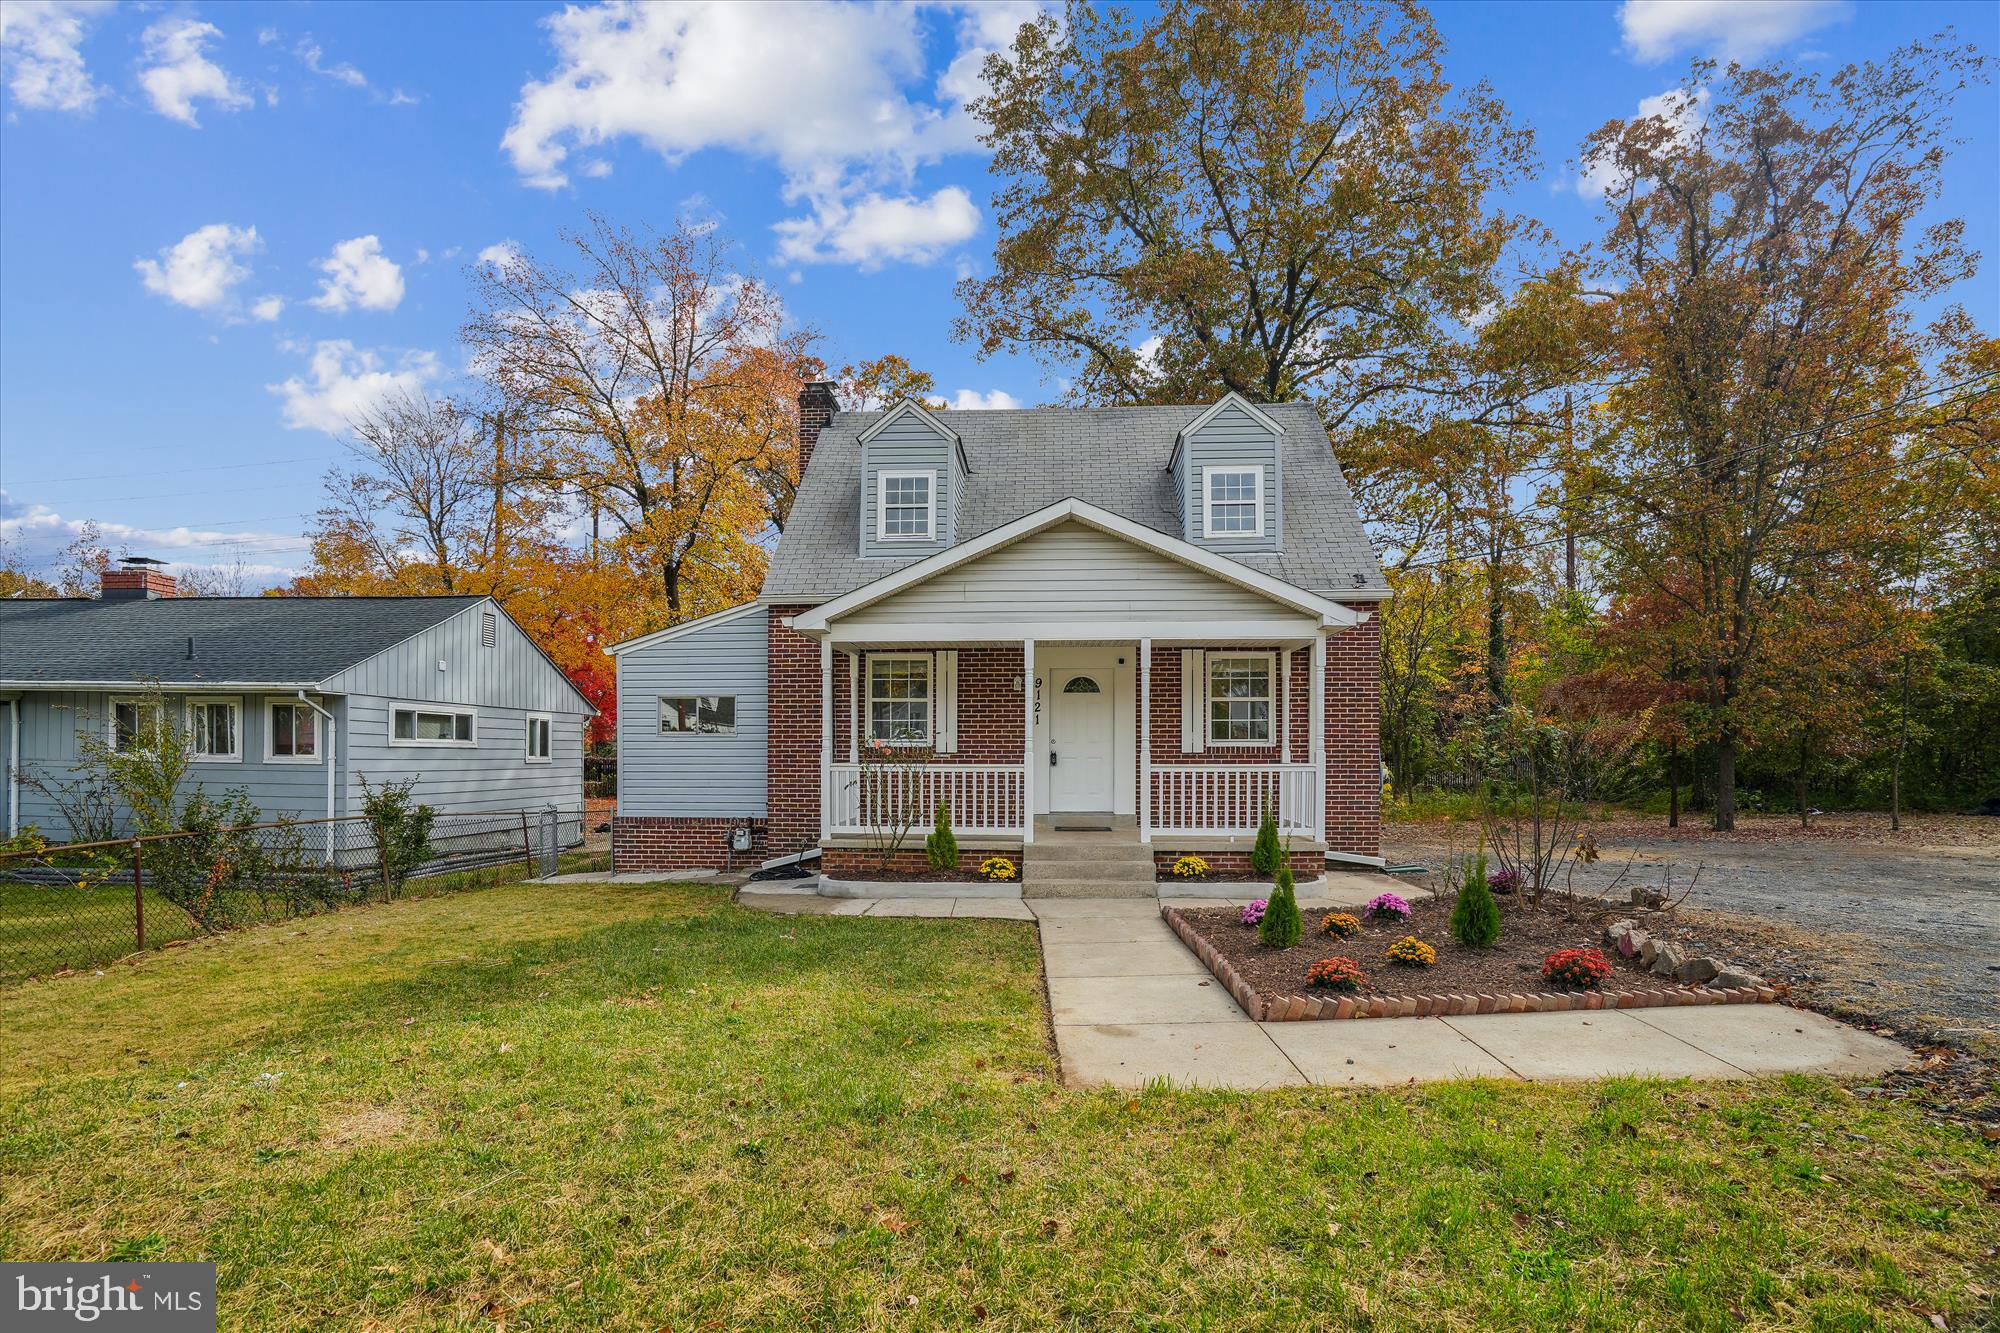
{"x": 1576, "y": 967}
{"x": 1340, "y": 925}
{"x": 1475, "y": 917}
{"x": 1281, "y": 927}
{"x": 1412, "y": 952}
{"x": 1268, "y": 853}
{"x": 1341, "y": 974}
{"x": 942, "y": 846}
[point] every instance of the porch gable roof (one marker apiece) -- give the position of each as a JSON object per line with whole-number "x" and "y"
{"x": 1326, "y": 612}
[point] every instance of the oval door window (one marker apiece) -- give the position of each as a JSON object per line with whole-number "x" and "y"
{"x": 1081, "y": 685}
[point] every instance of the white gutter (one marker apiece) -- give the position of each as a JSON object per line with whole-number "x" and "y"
{"x": 332, "y": 751}
{"x": 14, "y": 766}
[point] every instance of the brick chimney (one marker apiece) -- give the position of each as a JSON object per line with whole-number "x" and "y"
{"x": 140, "y": 579}
{"x": 816, "y": 408}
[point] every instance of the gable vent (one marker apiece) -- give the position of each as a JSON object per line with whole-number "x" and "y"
{"x": 489, "y": 630}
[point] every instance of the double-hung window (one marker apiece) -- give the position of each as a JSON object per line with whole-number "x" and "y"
{"x": 215, "y": 729}
{"x": 899, "y": 699}
{"x": 541, "y": 728}
{"x": 415, "y": 725}
{"x": 291, "y": 733}
{"x": 133, "y": 722}
{"x": 1235, "y": 502}
{"x": 906, "y": 506}
{"x": 700, "y": 714}
{"x": 1240, "y": 699}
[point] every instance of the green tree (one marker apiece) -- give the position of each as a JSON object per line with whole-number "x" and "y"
{"x": 1267, "y": 854}
{"x": 942, "y": 844}
{"x": 1475, "y": 917}
{"x": 1281, "y": 927}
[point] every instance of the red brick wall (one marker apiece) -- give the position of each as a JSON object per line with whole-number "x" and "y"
{"x": 1167, "y": 713}
{"x": 649, "y": 842}
{"x": 792, "y": 797}
{"x": 861, "y": 863}
{"x": 1354, "y": 737}
{"x": 1232, "y": 865}
{"x": 990, "y": 709}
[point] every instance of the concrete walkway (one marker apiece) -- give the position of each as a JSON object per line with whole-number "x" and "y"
{"x": 1131, "y": 1005}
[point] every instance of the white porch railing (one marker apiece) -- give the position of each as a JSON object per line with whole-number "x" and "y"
{"x": 983, "y": 798}
{"x": 1232, "y": 798}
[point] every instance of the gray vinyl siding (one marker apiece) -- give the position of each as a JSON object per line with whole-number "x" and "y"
{"x": 51, "y": 719}
{"x": 683, "y": 775}
{"x": 491, "y": 774}
{"x": 512, "y": 673}
{"x": 1076, "y": 574}
{"x": 1232, "y": 440}
{"x": 909, "y": 444}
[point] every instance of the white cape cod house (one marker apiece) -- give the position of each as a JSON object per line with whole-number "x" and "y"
{"x": 1161, "y": 620}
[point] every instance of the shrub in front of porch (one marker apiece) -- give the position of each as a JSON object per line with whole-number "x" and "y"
{"x": 942, "y": 845}
{"x": 1269, "y": 853}
{"x": 1281, "y": 928}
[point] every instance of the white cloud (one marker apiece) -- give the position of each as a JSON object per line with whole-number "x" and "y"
{"x": 39, "y": 47}
{"x": 344, "y": 383}
{"x": 1731, "y": 29}
{"x": 267, "y": 308}
{"x": 178, "y": 72}
{"x": 1148, "y": 353}
{"x": 202, "y": 269}
{"x": 314, "y": 58}
{"x": 841, "y": 106}
{"x": 1683, "y": 114}
{"x": 971, "y": 400}
{"x": 357, "y": 274}
{"x": 37, "y": 533}
{"x": 876, "y": 228}
{"x": 500, "y": 253}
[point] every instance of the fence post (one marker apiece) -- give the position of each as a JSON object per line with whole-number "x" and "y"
{"x": 138, "y": 899}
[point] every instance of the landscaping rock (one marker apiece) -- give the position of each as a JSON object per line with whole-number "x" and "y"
{"x": 1667, "y": 960}
{"x": 1645, "y": 897}
{"x": 1731, "y": 980}
{"x": 1649, "y": 949}
{"x": 1617, "y": 930}
{"x": 1632, "y": 941}
{"x": 1697, "y": 971}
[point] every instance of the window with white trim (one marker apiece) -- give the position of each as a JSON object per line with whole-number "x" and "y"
{"x": 1239, "y": 699}
{"x": 541, "y": 728}
{"x": 215, "y": 729}
{"x": 1235, "y": 502}
{"x": 291, "y": 732}
{"x": 699, "y": 714}
{"x": 906, "y": 506}
{"x": 415, "y": 725}
{"x": 899, "y": 698}
{"x": 132, "y": 721}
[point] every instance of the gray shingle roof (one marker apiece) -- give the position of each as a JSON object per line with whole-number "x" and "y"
{"x": 244, "y": 640}
{"x": 1112, "y": 457}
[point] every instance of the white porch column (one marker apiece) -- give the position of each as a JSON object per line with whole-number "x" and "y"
{"x": 1027, "y": 741}
{"x": 1145, "y": 740}
{"x": 1316, "y": 697}
{"x": 825, "y": 735}
{"x": 1283, "y": 685}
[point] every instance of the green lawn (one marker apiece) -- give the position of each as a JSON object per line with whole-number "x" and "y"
{"x": 643, "y": 1107}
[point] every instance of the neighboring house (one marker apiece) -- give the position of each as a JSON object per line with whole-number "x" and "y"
{"x": 1166, "y": 616}
{"x": 295, "y": 699}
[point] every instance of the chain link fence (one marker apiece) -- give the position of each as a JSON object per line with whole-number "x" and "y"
{"x": 78, "y": 905}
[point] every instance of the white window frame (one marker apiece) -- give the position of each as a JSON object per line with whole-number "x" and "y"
{"x": 660, "y": 727}
{"x": 111, "y": 718}
{"x": 1208, "y": 501}
{"x": 455, "y": 710}
{"x": 1208, "y": 666}
{"x": 930, "y": 698}
{"x": 235, "y": 705}
{"x": 882, "y": 480}
{"x": 271, "y": 755}
{"x": 535, "y": 720}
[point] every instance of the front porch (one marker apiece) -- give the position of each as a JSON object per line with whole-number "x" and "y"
{"x": 1182, "y": 742}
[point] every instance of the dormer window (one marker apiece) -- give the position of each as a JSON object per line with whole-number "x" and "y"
{"x": 1234, "y": 502}
{"x": 906, "y": 506}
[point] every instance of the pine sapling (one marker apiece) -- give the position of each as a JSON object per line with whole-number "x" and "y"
{"x": 1281, "y": 927}
{"x": 1475, "y": 918}
{"x": 942, "y": 844}
{"x": 1266, "y": 856}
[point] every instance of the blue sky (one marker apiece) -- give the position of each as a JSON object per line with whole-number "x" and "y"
{"x": 223, "y": 228}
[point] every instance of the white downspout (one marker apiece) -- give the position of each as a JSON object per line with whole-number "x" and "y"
{"x": 332, "y": 751}
{"x": 14, "y": 766}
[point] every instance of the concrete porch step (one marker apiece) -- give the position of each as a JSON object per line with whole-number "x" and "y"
{"x": 1091, "y": 888}
{"x": 1063, "y": 853}
{"x": 1102, "y": 871}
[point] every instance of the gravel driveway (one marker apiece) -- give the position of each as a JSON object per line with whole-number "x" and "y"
{"x": 1906, "y": 932}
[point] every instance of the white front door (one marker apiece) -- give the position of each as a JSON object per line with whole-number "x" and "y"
{"x": 1080, "y": 747}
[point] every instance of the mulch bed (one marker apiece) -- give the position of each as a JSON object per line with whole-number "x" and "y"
{"x": 1487, "y": 978}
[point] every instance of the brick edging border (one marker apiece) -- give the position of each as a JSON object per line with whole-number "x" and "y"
{"x": 1293, "y": 1008}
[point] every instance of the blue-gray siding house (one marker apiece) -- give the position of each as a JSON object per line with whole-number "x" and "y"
{"x": 295, "y": 699}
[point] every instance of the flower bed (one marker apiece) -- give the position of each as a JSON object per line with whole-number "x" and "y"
{"x": 1276, "y": 984}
